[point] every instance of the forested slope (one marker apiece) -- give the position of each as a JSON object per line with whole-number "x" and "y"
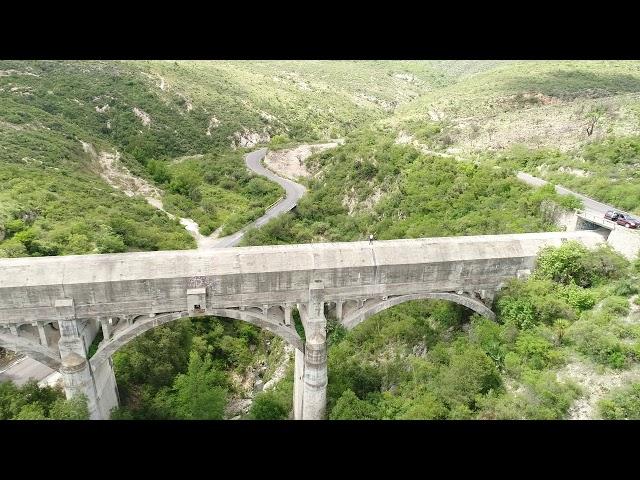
{"x": 421, "y": 143}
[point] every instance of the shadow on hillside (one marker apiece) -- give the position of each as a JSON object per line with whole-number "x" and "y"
{"x": 571, "y": 84}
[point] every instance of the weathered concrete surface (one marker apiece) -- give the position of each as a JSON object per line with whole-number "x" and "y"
{"x": 106, "y": 388}
{"x": 25, "y": 369}
{"x": 314, "y": 399}
{"x": 77, "y": 377}
{"x": 254, "y": 284}
{"x": 157, "y": 282}
{"x": 625, "y": 241}
{"x": 298, "y": 387}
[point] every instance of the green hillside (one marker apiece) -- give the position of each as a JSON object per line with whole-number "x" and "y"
{"x": 532, "y": 103}
{"x": 575, "y": 123}
{"x": 431, "y": 149}
{"x": 55, "y": 199}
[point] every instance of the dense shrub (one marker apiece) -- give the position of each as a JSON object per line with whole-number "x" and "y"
{"x": 623, "y": 404}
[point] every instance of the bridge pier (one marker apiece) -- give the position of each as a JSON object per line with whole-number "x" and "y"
{"x": 339, "y": 304}
{"x": 106, "y": 328}
{"x": 78, "y": 378}
{"x": 314, "y": 398}
{"x": 298, "y": 384}
{"x": 76, "y": 373}
{"x": 42, "y": 334}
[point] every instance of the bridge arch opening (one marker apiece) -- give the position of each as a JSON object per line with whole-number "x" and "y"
{"x": 370, "y": 307}
{"x": 32, "y": 349}
{"x": 143, "y": 324}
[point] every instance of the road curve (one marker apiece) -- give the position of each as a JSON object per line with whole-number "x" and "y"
{"x": 589, "y": 203}
{"x": 19, "y": 372}
{"x": 293, "y": 190}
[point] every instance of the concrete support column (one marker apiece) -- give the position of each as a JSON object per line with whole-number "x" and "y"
{"x": 314, "y": 402}
{"x": 339, "y": 304}
{"x": 13, "y": 329}
{"x": 298, "y": 384}
{"x": 287, "y": 314}
{"x": 43, "y": 335}
{"x": 265, "y": 310}
{"x": 76, "y": 372}
{"x": 487, "y": 296}
{"x": 106, "y": 328}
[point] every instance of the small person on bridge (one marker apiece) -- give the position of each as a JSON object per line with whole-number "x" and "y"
{"x": 371, "y": 239}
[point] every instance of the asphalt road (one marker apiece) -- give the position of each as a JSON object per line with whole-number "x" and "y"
{"x": 23, "y": 369}
{"x": 26, "y": 368}
{"x": 590, "y": 204}
{"x": 294, "y": 191}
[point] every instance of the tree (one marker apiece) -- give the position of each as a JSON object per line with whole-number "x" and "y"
{"x": 469, "y": 373}
{"x": 266, "y": 406}
{"x": 350, "y": 407}
{"x": 75, "y": 408}
{"x": 31, "y": 411}
{"x": 593, "y": 116}
{"x": 426, "y": 407}
{"x": 560, "y": 327}
{"x": 154, "y": 358}
{"x": 198, "y": 394}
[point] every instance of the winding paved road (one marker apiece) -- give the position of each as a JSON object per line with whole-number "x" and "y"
{"x": 293, "y": 190}
{"x": 590, "y": 205}
{"x": 23, "y": 369}
{"x": 27, "y": 368}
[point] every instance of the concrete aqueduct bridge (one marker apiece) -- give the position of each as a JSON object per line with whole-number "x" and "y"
{"x": 52, "y": 307}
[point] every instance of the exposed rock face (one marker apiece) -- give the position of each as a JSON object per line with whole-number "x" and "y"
{"x": 595, "y": 385}
{"x": 146, "y": 119}
{"x": 289, "y": 162}
{"x": 248, "y": 138}
{"x": 578, "y": 172}
{"x": 267, "y": 116}
{"x": 237, "y": 407}
{"x": 119, "y": 176}
{"x": 108, "y": 166}
{"x": 213, "y": 123}
{"x": 102, "y": 109}
{"x": 405, "y": 76}
{"x": 403, "y": 138}
{"x": 351, "y": 203}
{"x": 281, "y": 370}
{"x": 10, "y": 72}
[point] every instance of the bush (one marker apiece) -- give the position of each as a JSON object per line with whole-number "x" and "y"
{"x": 350, "y": 407}
{"x": 428, "y": 407}
{"x": 469, "y": 373}
{"x": 536, "y": 351}
{"x": 266, "y": 406}
{"x": 598, "y": 343}
{"x": 615, "y": 306}
{"x": 578, "y": 297}
{"x": 621, "y": 404}
{"x": 574, "y": 263}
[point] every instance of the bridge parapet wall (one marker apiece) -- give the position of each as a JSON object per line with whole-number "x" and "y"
{"x": 625, "y": 241}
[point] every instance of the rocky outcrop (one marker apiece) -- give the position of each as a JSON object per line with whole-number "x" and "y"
{"x": 248, "y": 138}
{"x": 213, "y": 123}
{"x": 146, "y": 119}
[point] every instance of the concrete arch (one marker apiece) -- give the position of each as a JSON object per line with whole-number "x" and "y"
{"x": 143, "y": 324}
{"x": 361, "y": 315}
{"x": 31, "y": 349}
